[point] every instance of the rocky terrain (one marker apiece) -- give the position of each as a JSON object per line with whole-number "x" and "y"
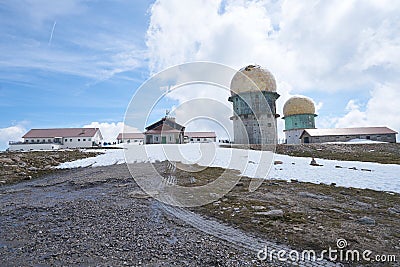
{"x": 99, "y": 216}
{"x": 19, "y": 166}
{"x": 386, "y": 153}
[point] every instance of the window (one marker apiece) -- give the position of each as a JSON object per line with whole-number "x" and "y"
{"x": 38, "y": 140}
{"x": 83, "y": 139}
{"x": 205, "y": 139}
{"x": 269, "y": 124}
{"x": 170, "y": 138}
{"x": 32, "y": 141}
{"x": 49, "y": 140}
{"x": 156, "y": 138}
{"x": 198, "y": 139}
{"x": 65, "y": 140}
{"x": 89, "y": 139}
{"x": 191, "y": 139}
{"x": 44, "y": 141}
{"x": 70, "y": 140}
{"x": 79, "y": 140}
{"x": 368, "y": 137}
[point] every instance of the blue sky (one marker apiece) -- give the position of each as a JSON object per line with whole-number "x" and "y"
{"x": 86, "y": 72}
{"x": 77, "y": 63}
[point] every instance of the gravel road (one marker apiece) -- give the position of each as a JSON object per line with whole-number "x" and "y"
{"x": 99, "y": 217}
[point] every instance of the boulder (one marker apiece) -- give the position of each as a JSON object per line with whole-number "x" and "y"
{"x": 271, "y": 213}
{"x": 366, "y": 221}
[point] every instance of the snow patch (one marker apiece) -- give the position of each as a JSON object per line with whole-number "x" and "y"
{"x": 255, "y": 164}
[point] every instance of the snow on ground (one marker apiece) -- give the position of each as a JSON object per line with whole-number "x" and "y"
{"x": 382, "y": 177}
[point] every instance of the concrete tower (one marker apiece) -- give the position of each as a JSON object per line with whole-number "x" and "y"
{"x": 299, "y": 114}
{"x": 253, "y": 94}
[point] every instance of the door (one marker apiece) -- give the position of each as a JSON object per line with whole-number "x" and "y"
{"x": 163, "y": 140}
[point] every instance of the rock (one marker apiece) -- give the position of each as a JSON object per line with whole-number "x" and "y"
{"x": 276, "y": 162}
{"x": 240, "y": 184}
{"x": 394, "y": 211}
{"x": 22, "y": 164}
{"x": 16, "y": 158}
{"x": 32, "y": 169}
{"x": 271, "y": 213}
{"x": 363, "y": 204}
{"x": 138, "y": 194}
{"x": 258, "y": 207}
{"x": 339, "y": 167}
{"x": 311, "y": 195}
{"x": 353, "y": 168}
{"x": 294, "y": 181}
{"x": 314, "y": 163}
{"x": 6, "y": 160}
{"x": 366, "y": 221}
{"x": 366, "y": 170}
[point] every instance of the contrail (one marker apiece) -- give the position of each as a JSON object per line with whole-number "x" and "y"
{"x": 52, "y": 31}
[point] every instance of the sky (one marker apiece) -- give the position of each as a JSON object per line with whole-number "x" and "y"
{"x": 78, "y": 63}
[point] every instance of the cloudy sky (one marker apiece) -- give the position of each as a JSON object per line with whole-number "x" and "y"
{"x": 77, "y": 63}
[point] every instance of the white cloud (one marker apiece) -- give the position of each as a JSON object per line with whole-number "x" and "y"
{"x": 110, "y": 131}
{"x": 346, "y": 47}
{"x": 381, "y": 109}
{"x": 12, "y": 133}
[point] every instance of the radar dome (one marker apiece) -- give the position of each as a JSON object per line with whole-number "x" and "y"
{"x": 252, "y": 78}
{"x": 298, "y": 105}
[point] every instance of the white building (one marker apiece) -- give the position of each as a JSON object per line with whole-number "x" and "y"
{"x": 165, "y": 131}
{"x": 130, "y": 138}
{"x": 200, "y": 137}
{"x": 58, "y": 138}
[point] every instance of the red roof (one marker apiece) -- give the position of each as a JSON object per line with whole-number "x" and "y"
{"x": 61, "y": 132}
{"x": 163, "y": 128}
{"x": 200, "y": 134}
{"x": 130, "y": 136}
{"x": 166, "y": 121}
{"x": 348, "y": 131}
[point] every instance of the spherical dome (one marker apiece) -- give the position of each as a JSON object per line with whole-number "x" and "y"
{"x": 252, "y": 78}
{"x": 298, "y": 105}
